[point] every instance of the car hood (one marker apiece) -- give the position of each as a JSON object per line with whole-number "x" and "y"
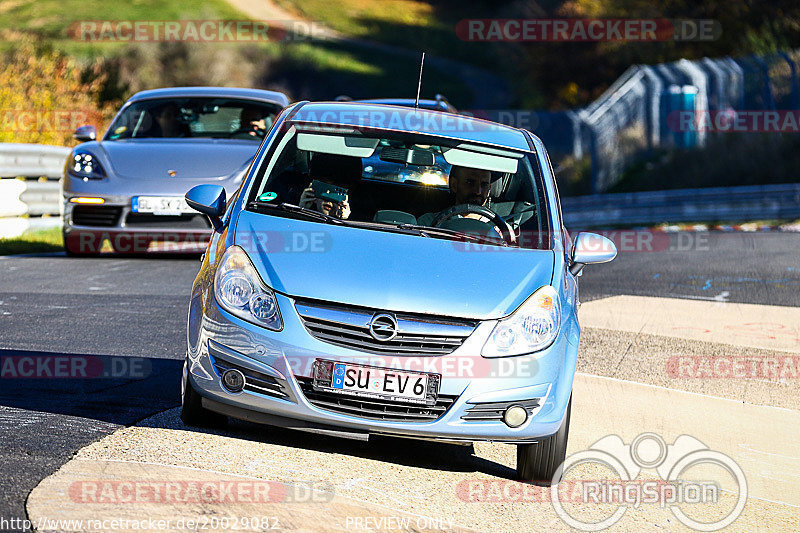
{"x": 188, "y": 158}
{"x": 390, "y": 271}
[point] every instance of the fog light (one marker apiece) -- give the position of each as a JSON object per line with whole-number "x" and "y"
{"x": 515, "y": 416}
{"x": 233, "y": 380}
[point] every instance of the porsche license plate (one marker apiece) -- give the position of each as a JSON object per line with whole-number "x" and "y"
{"x": 161, "y": 205}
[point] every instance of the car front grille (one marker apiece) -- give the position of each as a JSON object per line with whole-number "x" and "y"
{"x": 96, "y": 215}
{"x": 374, "y": 409}
{"x": 256, "y": 382}
{"x": 495, "y": 410}
{"x": 149, "y": 220}
{"x": 417, "y": 335}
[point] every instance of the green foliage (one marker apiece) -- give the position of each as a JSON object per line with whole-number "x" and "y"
{"x": 45, "y": 95}
{"x": 48, "y": 240}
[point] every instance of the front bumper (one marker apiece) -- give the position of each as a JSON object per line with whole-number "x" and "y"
{"x": 287, "y": 358}
{"x": 87, "y": 228}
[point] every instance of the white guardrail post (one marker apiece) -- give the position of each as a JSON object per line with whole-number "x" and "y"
{"x": 30, "y": 196}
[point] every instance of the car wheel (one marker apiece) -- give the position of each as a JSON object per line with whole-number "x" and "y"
{"x": 194, "y": 414}
{"x": 539, "y": 462}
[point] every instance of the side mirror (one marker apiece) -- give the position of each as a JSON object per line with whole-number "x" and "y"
{"x": 591, "y": 248}
{"x": 85, "y": 133}
{"x": 209, "y": 200}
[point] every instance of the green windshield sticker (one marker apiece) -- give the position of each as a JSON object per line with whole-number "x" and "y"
{"x": 268, "y": 196}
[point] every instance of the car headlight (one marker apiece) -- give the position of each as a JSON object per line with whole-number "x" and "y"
{"x": 240, "y": 291}
{"x": 532, "y": 327}
{"x": 85, "y": 165}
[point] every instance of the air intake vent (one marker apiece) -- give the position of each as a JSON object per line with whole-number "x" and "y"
{"x": 96, "y": 215}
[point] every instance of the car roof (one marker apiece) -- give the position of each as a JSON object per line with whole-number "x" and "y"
{"x": 441, "y": 105}
{"x": 274, "y": 97}
{"x": 407, "y": 120}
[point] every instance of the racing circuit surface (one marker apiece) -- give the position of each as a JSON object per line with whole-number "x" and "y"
{"x": 694, "y": 296}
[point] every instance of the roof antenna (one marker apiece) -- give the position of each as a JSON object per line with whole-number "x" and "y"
{"x": 419, "y": 84}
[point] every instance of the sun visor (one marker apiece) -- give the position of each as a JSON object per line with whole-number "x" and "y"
{"x": 467, "y": 158}
{"x": 336, "y": 144}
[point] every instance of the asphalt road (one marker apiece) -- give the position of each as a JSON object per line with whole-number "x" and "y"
{"x": 124, "y": 320}
{"x": 758, "y": 268}
{"x": 130, "y": 313}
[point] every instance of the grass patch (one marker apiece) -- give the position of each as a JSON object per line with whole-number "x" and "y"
{"x": 34, "y": 242}
{"x": 318, "y": 70}
{"x": 413, "y": 24}
{"x": 322, "y": 70}
{"x": 52, "y": 18}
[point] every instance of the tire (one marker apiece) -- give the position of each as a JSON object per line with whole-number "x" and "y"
{"x": 539, "y": 462}
{"x": 194, "y": 414}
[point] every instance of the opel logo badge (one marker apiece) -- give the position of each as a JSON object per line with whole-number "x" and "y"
{"x": 383, "y": 327}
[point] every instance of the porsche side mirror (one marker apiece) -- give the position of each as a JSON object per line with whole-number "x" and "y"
{"x": 85, "y": 133}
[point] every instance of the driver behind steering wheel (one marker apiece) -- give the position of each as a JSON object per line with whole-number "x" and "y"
{"x": 251, "y": 121}
{"x": 468, "y": 186}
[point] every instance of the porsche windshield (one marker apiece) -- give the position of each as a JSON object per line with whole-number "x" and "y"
{"x": 406, "y": 182}
{"x": 194, "y": 117}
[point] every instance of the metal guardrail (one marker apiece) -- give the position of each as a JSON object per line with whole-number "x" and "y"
{"x": 32, "y": 160}
{"x": 30, "y": 196}
{"x": 718, "y": 204}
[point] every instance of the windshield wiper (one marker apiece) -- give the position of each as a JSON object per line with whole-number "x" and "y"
{"x": 427, "y": 230}
{"x": 295, "y": 209}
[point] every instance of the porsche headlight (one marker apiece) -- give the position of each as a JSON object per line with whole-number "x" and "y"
{"x": 240, "y": 291}
{"x": 532, "y": 327}
{"x": 83, "y": 164}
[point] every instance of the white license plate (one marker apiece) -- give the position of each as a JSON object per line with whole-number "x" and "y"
{"x": 161, "y": 205}
{"x": 379, "y": 382}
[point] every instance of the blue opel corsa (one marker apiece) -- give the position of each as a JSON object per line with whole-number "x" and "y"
{"x": 385, "y": 270}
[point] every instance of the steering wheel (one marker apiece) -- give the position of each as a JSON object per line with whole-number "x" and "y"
{"x": 503, "y": 227}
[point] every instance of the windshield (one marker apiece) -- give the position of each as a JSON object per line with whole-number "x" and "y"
{"x": 386, "y": 182}
{"x": 228, "y": 118}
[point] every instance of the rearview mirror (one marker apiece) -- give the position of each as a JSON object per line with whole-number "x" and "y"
{"x": 85, "y": 133}
{"x": 590, "y": 248}
{"x": 409, "y": 156}
{"x": 210, "y": 200}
